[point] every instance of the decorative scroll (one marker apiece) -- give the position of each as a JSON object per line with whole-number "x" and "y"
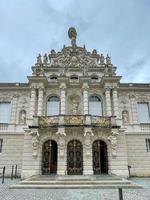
{"x": 48, "y": 121}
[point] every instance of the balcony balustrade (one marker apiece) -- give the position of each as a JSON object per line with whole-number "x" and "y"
{"x": 74, "y": 120}
{"x": 3, "y": 126}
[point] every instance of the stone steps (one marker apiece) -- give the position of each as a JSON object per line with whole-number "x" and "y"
{"x": 74, "y": 182}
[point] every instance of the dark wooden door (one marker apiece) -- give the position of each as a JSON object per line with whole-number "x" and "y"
{"x": 49, "y": 157}
{"x": 74, "y": 158}
{"x": 100, "y": 157}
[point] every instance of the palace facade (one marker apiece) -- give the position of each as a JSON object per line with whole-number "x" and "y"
{"x": 74, "y": 117}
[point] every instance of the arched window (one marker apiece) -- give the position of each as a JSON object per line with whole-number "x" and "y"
{"x": 53, "y": 105}
{"x": 95, "y": 106}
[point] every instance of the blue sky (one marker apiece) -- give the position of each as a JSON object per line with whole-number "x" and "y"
{"x": 120, "y": 28}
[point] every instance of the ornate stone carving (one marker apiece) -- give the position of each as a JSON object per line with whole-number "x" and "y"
{"x": 113, "y": 140}
{"x": 48, "y": 121}
{"x": 88, "y": 132}
{"x": 61, "y": 131}
{"x": 74, "y": 120}
{"x": 101, "y": 121}
{"x": 35, "y": 143}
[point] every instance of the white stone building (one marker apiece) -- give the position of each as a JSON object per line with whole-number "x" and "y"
{"x": 75, "y": 117}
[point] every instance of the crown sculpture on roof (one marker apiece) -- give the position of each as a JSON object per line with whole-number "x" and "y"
{"x": 73, "y": 57}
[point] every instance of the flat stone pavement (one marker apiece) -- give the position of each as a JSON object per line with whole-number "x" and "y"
{"x": 75, "y": 194}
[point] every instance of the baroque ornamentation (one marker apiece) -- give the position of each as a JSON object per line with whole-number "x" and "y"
{"x": 74, "y": 120}
{"x": 113, "y": 140}
{"x": 61, "y": 131}
{"x": 35, "y": 143}
{"x": 101, "y": 121}
{"x": 47, "y": 121}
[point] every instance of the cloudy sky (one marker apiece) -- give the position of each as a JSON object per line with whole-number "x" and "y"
{"x": 120, "y": 28}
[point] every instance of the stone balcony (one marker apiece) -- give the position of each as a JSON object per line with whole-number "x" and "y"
{"x": 74, "y": 121}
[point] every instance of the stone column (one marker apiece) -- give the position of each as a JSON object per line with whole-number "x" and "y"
{"x": 115, "y": 102}
{"x": 85, "y": 99}
{"x": 63, "y": 98}
{"x": 14, "y": 109}
{"x": 108, "y": 102}
{"x": 40, "y": 102}
{"x": 32, "y": 102}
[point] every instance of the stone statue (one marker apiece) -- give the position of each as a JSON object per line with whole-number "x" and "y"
{"x": 45, "y": 59}
{"x": 108, "y": 60}
{"x": 102, "y": 59}
{"x": 39, "y": 59}
{"x": 125, "y": 117}
{"x": 72, "y": 35}
{"x": 94, "y": 52}
{"x": 22, "y": 119}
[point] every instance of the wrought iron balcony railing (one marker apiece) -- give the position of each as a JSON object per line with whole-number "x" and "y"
{"x": 74, "y": 120}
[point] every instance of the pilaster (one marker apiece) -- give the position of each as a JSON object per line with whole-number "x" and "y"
{"x": 115, "y": 102}
{"x": 32, "y": 102}
{"x": 85, "y": 88}
{"x": 40, "y": 101}
{"x": 108, "y": 102}
{"x": 63, "y": 98}
{"x": 14, "y": 109}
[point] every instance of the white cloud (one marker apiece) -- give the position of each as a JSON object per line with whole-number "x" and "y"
{"x": 120, "y": 28}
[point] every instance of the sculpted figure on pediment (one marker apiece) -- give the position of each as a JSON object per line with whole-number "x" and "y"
{"x": 102, "y": 59}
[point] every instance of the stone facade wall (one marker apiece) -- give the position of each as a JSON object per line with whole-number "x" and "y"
{"x": 138, "y": 157}
{"x": 12, "y": 151}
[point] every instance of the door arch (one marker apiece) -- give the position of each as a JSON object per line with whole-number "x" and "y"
{"x": 74, "y": 158}
{"x": 49, "y": 157}
{"x": 100, "y": 157}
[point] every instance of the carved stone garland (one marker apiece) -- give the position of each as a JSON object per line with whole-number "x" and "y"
{"x": 113, "y": 141}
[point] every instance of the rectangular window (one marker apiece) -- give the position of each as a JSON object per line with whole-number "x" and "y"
{"x": 148, "y": 145}
{"x": 143, "y": 112}
{"x": 5, "y": 112}
{"x": 1, "y": 144}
